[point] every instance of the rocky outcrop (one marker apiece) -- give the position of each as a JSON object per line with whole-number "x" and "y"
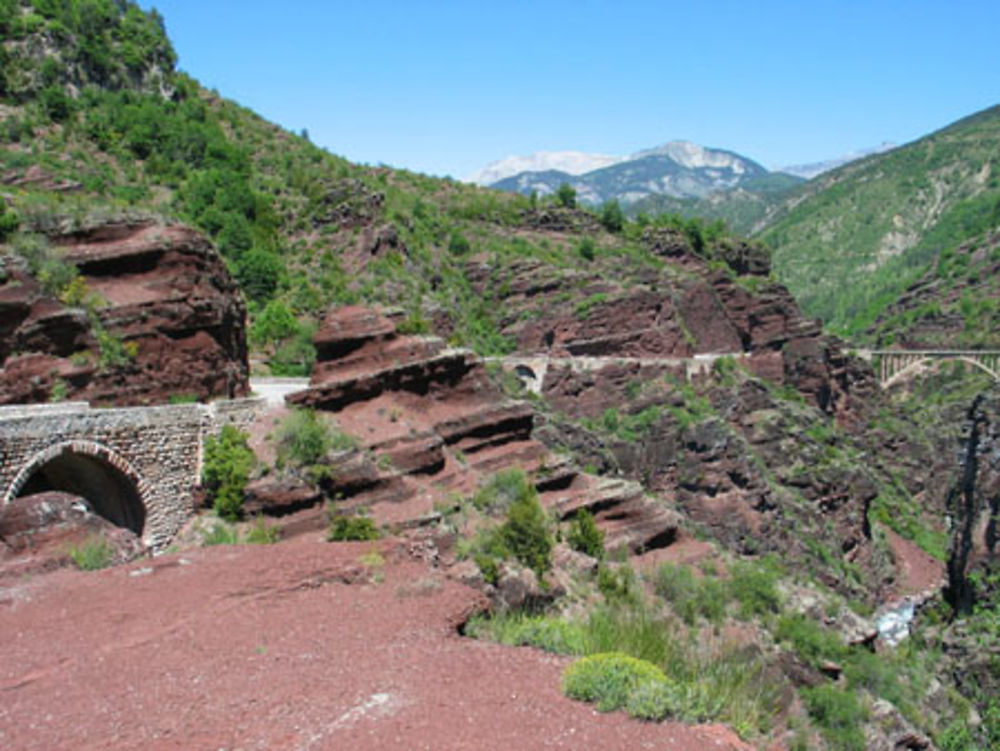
{"x": 700, "y": 301}
{"x": 160, "y": 316}
{"x": 430, "y": 427}
{"x": 37, "y": 533}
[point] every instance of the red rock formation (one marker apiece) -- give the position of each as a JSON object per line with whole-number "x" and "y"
{"x": 167, "y": 298}
{"x": 430, "y": 424}
{"x": 38, "y": 531}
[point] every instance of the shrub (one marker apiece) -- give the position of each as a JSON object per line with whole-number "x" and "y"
{"x": 262, "y": 533}
{"x": 839, "y": 715}
{"x": 93, "y": 554}
{"x": 521, "y": 629}
{"x": 502, "y": 489}
{"x": 754, "y": 586}
{"x": 653, "y": 700}
{"x": 611, "y": 679}
{"x": 458, "y": 245}
{"x": 612, "y": 216}
{"x": 228, "y": 461}
{"x": 526, "y": 534}
{"x": 8, "y": 221}
{"x": 258, "y": 272}
{"x": 691, "y": 597}
{"x": 810, "y": 641}
{"x": 566, "y": 196}
{"x": 585, "y": 536}
{"x": 586, "y": 249}
{"x": 221, "y": 534}
{"x": 303, "y": 438}
{"x": 351, "y": 528}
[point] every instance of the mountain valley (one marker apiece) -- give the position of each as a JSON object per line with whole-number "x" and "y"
{"x": 544, "y": 449}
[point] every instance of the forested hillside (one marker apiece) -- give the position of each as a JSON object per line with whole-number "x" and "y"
{"x": 849, "y": 242}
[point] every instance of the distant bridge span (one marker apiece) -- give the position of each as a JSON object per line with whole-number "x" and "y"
{"x": 891, "y": 365}
{"x": 896, "y": 365}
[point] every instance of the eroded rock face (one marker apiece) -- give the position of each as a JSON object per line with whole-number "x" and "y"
{"x": 430, "y": 427}
{"x": 167, "y": 301}
{"x": 38, "y": 531}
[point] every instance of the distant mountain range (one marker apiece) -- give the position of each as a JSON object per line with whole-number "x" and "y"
{"x": 813, "y": 169}
{"x": 679, "y": 169}
{"x": 676, "y": 176}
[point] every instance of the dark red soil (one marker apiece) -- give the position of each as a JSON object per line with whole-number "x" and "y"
{"x": 294, "y": 646}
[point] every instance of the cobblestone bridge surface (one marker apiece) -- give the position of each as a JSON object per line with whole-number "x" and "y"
{"x": 136, "y": 465}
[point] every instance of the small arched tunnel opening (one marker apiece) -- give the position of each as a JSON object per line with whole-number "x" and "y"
{"x": 527, "y": 377}
{"x": 110, "y": 492}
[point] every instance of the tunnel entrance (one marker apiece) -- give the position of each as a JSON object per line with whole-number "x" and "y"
{"x": 111, "y": 492}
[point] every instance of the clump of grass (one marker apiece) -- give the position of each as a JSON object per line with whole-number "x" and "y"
{"x": 221, "y": 534}
{"x": 93, "y": 554}
{"x": 345, "y": 528}
{"x": 610, "y": 679}
{"x": 262, "y": 533}
{"x": 839, "y": 715}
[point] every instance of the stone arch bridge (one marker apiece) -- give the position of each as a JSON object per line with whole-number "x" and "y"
{"x": 896, "y": 365}
{"x": 137, "y": 466}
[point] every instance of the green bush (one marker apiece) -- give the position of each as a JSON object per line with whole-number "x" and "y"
{"x": 585, "y": 536}
{"x": 458, "y": 245}
{"x": 611, "y": 679}
{"x": 839, "y": 715}
{"x": 691, "y": 597}
{"x": 227, "y": 466}
{"x": 586, "y": 249}
{"x": 811, "y": 642}
{"x": 259, "y": 272}
{"x": 754, "y": 586}
{"x": 262, "y": 533}
{"x": 93, "y": 554}
{"x": 612, "y": 216}
{"x": 522, "y": 629}
{"x": 654, "y": 700}
{"x": 526, "y": 534}
{"x": 566, "y": 196}
{"x": 303, "y": 438}
{"x": 351, "y": 528}
{"x": 221, "y": 534}
{"x": 502, "y": 489}
{"x": 8, "y": 221}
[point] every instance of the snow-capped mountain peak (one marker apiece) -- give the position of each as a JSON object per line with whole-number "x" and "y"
{"x": 570, "y": 162}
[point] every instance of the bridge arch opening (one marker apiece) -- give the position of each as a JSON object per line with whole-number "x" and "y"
{"x": 91, "y": 471}
{"x": 924, "y": 364}
{"x": 527, "y": 376}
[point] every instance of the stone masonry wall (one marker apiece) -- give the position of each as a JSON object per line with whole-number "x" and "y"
{"x": 158, "y": 448}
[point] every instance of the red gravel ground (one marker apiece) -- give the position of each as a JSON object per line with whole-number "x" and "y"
{"x": 293, "y": 646}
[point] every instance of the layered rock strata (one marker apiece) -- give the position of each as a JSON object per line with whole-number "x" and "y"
{"x": 161, "y": 317}
{"x": 430, "y": 427}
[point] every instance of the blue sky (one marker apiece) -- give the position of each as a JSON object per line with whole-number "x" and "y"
{"x": 445, "y": 87}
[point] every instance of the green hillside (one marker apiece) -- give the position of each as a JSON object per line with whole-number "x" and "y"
{"x": 849, "y": 242}
{"x": 741, "y": 208}
{"x": 96, "y": 121}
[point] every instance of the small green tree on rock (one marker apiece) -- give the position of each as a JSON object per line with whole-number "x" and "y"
{"x": 566, "y": 196}
{"x": 227, "y": 466}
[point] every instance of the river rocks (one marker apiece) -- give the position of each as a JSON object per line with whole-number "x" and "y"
{"x": 167, "y": 320}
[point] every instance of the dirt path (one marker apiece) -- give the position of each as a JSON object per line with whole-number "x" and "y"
{"x": 293, "y": 646}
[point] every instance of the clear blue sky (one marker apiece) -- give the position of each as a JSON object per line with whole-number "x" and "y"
{"x": 446, "y": 87}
